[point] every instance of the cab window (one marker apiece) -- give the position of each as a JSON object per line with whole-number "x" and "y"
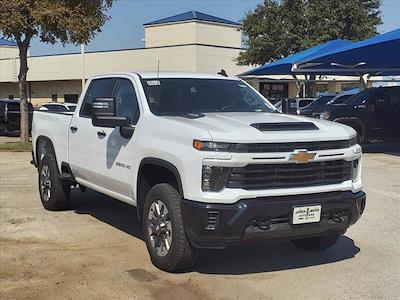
{"x": 126, "y": 100}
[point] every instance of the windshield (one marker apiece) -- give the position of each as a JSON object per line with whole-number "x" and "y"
{"x": 175, "y": 96}
{"x": 361, "y": 97}
{"x": 340, "y": 99}
{"x": 321, "y": 101}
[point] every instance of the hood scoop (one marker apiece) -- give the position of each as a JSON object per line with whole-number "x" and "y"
{"x": 285, "y": 126}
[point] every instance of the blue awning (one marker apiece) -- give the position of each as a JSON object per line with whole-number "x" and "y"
{"x": 379, "y": 55}
{"x": 284, "y": 66}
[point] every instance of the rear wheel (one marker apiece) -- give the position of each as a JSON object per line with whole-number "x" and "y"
{"x": 166, "y": 240}
{"x": 54, "y": 193}
{"x": 317, "y": 243}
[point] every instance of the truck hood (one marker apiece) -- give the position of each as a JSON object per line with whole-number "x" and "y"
{"x": 236, "y": 127}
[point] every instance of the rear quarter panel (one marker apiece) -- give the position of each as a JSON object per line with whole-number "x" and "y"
{"x": 55, "y": 127}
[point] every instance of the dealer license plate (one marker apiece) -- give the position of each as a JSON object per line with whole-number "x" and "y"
{"x": 306, "y": 214}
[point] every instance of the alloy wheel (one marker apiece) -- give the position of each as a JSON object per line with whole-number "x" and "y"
{"x": 45, "y": 183}
{"x": 159, "y": 228}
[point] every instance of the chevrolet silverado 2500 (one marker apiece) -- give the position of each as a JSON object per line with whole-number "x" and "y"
{"x": 207, "y": 161}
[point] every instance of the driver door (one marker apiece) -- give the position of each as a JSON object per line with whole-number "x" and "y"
{"x": 83, "y": 135}
{"x": 115, "y": 154}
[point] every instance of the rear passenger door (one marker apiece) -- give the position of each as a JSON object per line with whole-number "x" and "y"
{"x": 115, "y": 154}
{"x": 386, "y": 108}
{"x": 83, "y": 135}
{"x": 391, "y": 116}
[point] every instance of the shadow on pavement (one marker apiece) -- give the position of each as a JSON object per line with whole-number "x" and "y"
{"x": 272, "y": 256}
{"x": 392, "y": 148}
{"x": 246, "y": 259}
{"x": 108, "y": 210}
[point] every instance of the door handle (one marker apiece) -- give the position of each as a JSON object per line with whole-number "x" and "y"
{"x": 101, "y": 134}
{"x": 73, "y": 129}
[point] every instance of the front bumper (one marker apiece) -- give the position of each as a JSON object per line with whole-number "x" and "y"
{"x": 268, "y": 218}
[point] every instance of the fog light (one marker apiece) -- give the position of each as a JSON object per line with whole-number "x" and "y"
{"x": 214, "y": 178}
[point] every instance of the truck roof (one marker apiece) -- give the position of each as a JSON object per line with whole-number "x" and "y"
{"x": 152, "y": 75}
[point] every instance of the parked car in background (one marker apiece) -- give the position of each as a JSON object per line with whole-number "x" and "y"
{"x": 291, "y": 105}
{"x": 318, "y": 105}
{"x": 373, "y": 113}
{"x": 58, "y": 107}
{"x": 10, "y": 114}
{"x": 337, "y": 100}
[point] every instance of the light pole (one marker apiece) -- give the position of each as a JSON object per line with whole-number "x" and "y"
{"x": 83, "y": 65}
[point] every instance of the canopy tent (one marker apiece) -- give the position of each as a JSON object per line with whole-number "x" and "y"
{"x": 284, "y": 66}
{"x": 376, "y": 56}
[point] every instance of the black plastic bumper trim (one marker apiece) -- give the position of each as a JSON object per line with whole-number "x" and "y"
{"x": 269, "y": 218}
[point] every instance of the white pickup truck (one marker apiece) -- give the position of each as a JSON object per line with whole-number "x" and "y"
{"x": 207, "y": 161}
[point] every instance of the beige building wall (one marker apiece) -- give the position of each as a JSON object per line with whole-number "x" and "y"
{"x": 42, "y": 91}
{"x": 61, "y": 74}
{"x": 170, "y": 34}
{"x": 220, "y": 35}
{"x": 8, "y": 52}
{"x": 9, "y": 68}
{"x": 213, "y": 59}
{"x": 193, "y": 33}
{"x": 68, "y": 67}
{"x": 186, "y": 58}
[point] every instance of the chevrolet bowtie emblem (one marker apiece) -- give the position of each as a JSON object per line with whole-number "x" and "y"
{"x": 302, "y": 157}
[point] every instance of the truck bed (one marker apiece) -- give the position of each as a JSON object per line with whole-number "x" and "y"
{"x": 54, "y": 126}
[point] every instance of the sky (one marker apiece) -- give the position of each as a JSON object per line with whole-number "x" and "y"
{"x": 125, "y": 29}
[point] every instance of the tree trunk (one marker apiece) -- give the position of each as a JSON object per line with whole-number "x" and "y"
{"x": 311, "y": 87}
{"x": 23, "y": 71}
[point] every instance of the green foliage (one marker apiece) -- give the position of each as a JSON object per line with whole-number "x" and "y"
{"x": 276, "y": 29}
{"x": 15, "y": 147}
{"x": 69, "y": 21}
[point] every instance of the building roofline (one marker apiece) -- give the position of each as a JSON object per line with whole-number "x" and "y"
{"x": 133, "y": 49}
{"x": 192, "y": 16}
{"x": 192, "y": 21}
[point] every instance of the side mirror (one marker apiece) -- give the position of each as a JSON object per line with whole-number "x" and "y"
{"x": 104, "y": 114}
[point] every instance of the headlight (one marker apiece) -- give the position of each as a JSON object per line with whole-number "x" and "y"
{"x": 212, "y": 146}
{"x": 214, "y": 178}
{"x": 353, "y": 141}
{"x": 324, "y": 116}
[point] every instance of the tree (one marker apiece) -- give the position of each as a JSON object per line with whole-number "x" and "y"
{"x": 67, "y": 21}
{"x": 276, "y": 29}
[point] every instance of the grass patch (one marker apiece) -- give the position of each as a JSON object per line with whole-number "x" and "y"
{"x": 16, "y": 146}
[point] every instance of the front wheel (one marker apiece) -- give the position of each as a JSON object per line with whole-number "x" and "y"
{"x": 317, "y": 243}
{"x": 164, "y": 232}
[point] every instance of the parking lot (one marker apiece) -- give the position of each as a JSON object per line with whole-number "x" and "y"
{"x": 95, "y": 250}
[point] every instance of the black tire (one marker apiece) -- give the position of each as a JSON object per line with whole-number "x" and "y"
{"x": 180, "y": 255}
{"x": 317, "y": 243}
{"x": 54, "y": 193}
